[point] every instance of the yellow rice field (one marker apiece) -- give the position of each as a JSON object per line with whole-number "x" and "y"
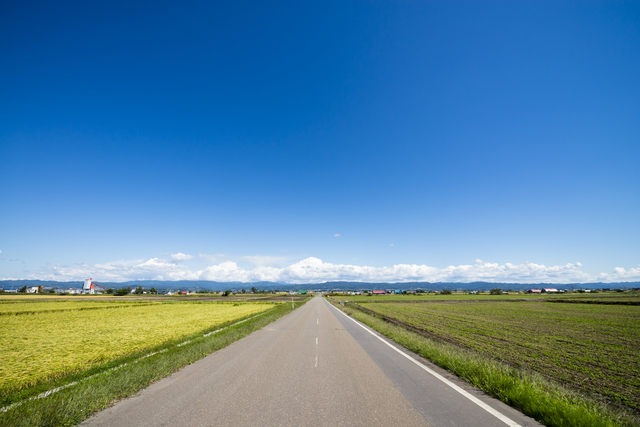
{"x": 78, "y": 335}
{"x": 39, "y": 306}
{"x": 29, "y": 297}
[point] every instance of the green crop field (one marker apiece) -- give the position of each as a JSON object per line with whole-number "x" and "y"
{"x": 590, "y": 347}
{"x": 43, "y": 340}
{"x": 431, "y": 297}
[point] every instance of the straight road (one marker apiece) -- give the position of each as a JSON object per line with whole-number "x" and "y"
{"x": 313, "y": 367}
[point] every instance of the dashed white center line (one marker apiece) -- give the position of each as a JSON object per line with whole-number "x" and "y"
{"x": 316, "y": 352}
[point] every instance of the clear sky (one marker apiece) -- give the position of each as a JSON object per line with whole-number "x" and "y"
{"x": 335, "y": 140}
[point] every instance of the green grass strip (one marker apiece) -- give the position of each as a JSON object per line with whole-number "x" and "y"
{"x": 549, "y": 403}
{"x": 70, "y": 406}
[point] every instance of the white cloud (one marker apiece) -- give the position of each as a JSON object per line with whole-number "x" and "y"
{"x": 391, "y": 244}
{"x": 119, "y": 271}
{"x": 336, "y": 235}
{"x": 181, "y": 257}
{"x": 314, "y": 270}
{"x": 621, "y": 275}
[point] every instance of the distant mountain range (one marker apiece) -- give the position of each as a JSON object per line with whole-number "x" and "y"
{"x": 192, "y": 285}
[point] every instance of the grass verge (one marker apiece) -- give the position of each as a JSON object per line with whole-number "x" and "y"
{"x": 549, "y": 403}
{"x": 92, "y": 393}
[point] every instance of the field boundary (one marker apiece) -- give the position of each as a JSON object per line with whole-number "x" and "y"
{"x": 62, "y": 310}
{"x": 11, "y": 393}
{"x": 604, "y": 302}
{"x": 71, "y": 403}
{"x": 499, "y": 415}
{"x": 408, "y": 326}
{"x": 109, "y": 370}
{"x": 547, "y": 401}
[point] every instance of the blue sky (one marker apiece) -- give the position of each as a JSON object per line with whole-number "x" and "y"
{"x": 303, "y": 142}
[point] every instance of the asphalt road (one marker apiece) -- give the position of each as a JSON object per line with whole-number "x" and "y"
{"x": 313, "y": 367}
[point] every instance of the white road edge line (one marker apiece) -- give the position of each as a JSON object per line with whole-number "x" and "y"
{"x": 480, "y": 403}
{"x": 49, "y": 392}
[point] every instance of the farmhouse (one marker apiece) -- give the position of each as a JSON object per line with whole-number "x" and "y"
{"x": 534, "y": 291}
{"x": 549, "y": 290}
{"x": 378, "y": 292}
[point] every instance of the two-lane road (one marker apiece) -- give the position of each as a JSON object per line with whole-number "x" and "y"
{"x": 315, "y": 366}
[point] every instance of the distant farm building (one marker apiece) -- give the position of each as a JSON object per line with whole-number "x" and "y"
{"x": 302, "y": 292}
{"x": 549, "y": 290}
{"x": 89, "y": 287}
{"x": 377, "y": 292}
{"x": 534, "y": 291}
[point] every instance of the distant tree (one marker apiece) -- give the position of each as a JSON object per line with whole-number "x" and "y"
{"x": 495, "y": 291}
{"x": 52, "y": 291}
{"x": 139, "y": 290}
{"x": 226, "y": 293}
{"x": 153, "y": 291}
{"x": 110, "y": 290}
{"x": 445, "y": 292}
{"x": 122, "y": 291}
{"x": 254, "y": 290}
{"x": 23, "y": 289}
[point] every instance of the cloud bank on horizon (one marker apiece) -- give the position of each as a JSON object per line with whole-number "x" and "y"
{"x": 313, "y": 270}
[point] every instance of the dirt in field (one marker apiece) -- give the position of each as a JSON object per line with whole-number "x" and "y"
{"x": 590, "y": 347}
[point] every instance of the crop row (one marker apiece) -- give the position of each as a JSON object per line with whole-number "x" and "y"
{"x": 49, "y": 345}
{"x": 590, "y": 347}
